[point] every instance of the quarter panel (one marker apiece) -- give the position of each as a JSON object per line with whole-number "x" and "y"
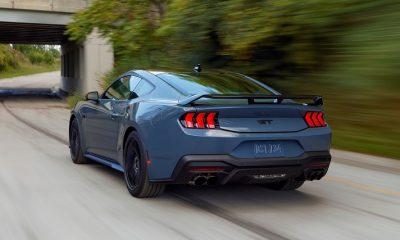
{"x": 77, "y": 112}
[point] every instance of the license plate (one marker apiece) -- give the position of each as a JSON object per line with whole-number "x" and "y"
{"x": 268, "y": 150}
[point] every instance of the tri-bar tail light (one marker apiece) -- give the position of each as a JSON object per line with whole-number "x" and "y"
{"x": 200, "y": 120}
{"x": 314, "y": 119}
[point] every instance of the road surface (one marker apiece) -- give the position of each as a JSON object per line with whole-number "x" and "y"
{"x": 43, "y": 195}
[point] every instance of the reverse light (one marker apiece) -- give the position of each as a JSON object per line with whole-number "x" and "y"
{"x": 315, "y": 119}
{"x": 200, "y": 120}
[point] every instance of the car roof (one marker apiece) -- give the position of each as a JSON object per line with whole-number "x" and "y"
{"x": 157, "y": 72}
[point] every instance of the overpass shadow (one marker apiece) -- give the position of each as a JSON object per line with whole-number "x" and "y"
{"x": 29, "y": 92}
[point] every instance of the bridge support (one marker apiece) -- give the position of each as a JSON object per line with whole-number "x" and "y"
{"x": 84, "y": 65}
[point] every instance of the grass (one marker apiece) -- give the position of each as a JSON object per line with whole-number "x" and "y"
{"x": 28, "y": 69}
{"x": 73, "y": 99}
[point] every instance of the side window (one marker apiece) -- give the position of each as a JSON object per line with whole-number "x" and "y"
{"x": 144, "y": 88}
{"x": 133, "y": 82}
{"x": 119, "y": 90}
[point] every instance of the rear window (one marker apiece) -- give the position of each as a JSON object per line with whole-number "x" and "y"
{"x": 212, "y": 83}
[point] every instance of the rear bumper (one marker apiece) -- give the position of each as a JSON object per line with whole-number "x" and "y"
{"x": 226, "y": 169}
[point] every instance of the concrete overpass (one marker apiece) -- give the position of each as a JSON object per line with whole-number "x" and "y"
{"x": 44, "y": 22}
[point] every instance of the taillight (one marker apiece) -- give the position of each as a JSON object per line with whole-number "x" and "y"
{"x": 200, "y": 120}
{"x": 189, "y": 120}
{"x": 315, "y": 119}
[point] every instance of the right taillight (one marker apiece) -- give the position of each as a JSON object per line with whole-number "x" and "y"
{"x": 200, "y": 120}
{"x": 314, "y": 119}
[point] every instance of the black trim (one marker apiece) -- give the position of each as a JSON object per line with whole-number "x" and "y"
{"x": 317, "y": 100}
{"x": 237, "y": 168}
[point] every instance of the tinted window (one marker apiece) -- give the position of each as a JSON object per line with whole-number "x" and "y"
{"x": 119, "y": 90}
{"x": 213, "y": 83}
{"x": 143, "y": 88}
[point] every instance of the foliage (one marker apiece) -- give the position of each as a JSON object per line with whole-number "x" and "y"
{"x": 29, "y": 69}
{"x": 129, "y": 25}
{"x": 360, "y": 84}
{"x": 9, "y": 58}
{"x": 38, "y": 54}
{"x": 20, "y": 60}
{"x": 264, "y": 37}
{"x": 73, "y": 99}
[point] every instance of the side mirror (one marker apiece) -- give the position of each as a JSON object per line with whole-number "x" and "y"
{"x": 93, "y": 96}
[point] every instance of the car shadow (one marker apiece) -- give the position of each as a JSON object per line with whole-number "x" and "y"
{"x": 247, "y": 196}
{"x": 227, "y": 197}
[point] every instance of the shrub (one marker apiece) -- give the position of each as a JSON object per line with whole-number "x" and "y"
{"x": 73, "y": 99}
{"x": 8, "y": 58}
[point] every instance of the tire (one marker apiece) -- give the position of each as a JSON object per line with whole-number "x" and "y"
{"x": 135, "y": 170}
{"x": 286, "y": 185}
{"x": 75, "y": 147}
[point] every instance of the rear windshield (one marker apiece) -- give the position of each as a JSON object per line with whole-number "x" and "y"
{"x": 212, "y": 83}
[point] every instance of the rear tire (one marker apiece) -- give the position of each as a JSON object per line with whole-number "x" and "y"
{"x": 75, "y": 147}
{"x": 286, "y": 185}
{"x": 135, "y": 170}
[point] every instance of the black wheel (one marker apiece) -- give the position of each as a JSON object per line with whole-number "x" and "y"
{"x": 135, "y": 170}
{"x": 75, "y": 144}
{"x": 286, "y": 185}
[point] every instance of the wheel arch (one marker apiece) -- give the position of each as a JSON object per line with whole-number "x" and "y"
{"x": 126, "y": 134}
{"x": 72, "y": 118}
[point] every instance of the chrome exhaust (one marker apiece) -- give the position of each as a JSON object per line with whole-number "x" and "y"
{"x": 199, "y": 180}
{"x": 211, "y": 180}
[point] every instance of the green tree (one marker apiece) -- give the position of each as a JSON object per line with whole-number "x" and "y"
{"x": 9, "y": 58}
{"x": 264, "y": 37}
{"x": 39, "y": 54}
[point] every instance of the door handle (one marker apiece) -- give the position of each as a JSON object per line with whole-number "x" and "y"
{"x": 114, "y": 116}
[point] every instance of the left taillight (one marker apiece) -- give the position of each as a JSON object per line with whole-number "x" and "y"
{"x": 314, "y": 119}
{"x": 200, "y": 120}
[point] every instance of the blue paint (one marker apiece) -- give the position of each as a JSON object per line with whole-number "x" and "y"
{"x": 107, "y": 163}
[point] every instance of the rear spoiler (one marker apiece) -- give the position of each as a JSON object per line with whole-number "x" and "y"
{"x": 316, "y": 100}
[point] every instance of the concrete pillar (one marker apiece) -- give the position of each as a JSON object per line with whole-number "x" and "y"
{"x": 84, "y": 65}
{"x": 97, "y": 61}
{"x": 71, "y": 67}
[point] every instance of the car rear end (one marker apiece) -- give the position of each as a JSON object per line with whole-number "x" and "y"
{"x": 243, "y": 138}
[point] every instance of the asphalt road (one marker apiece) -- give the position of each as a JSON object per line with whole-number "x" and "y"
{"x": 43, "y": 195}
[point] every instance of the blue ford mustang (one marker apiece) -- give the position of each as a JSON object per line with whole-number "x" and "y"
{"x": 200, "y": 128}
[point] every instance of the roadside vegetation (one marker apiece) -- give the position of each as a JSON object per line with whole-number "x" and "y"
{"x": 73, "y": 99}
{"x": 18, "y": 60}
{"x": 348, "y": 51}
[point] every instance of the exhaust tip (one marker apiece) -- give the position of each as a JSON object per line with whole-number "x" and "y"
{"x": 199, "y": 180}
{"x": 212, "y": 180}
{"x": 315, "y": 175}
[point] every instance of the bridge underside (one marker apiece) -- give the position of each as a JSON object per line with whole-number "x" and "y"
{"x": 32, "y": 33}
{"x": 33, "y": 27}
{"x": 82, "y": 65}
